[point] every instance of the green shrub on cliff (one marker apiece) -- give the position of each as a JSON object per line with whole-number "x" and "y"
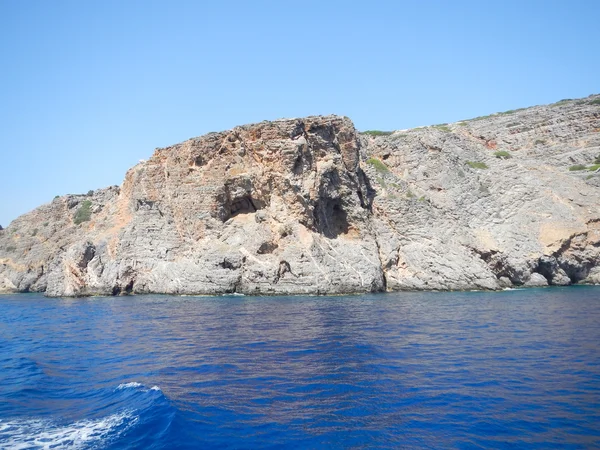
{"x": 591, "y": 168}
{"x": 482, "y": 117}
{"x": 502, "y": 154}
{"x": 477, "y": 165}
{"x": 562, "y": 102}
{"x": 84, "y": 213}
{"x": 443, "y": 127}
{"x": 376, "y": 133}
{"x": 378, "y": 165}
{"x": 577, "y": 167}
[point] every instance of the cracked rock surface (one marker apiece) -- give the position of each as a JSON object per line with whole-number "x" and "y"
{"x": 310, "y": 206}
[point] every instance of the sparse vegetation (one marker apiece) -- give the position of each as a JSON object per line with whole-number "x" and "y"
{"x": 592, "y": 168}
{"x": 539, "y": 142}
{"x": 286, "y": 230}
{"x": 483, "y": 117}
{"x": 511, "y": 111}
{"x": 90, "y": 193}
{"x": 562, "y": 102}
{"x": 409, "y": 194}
{"x": 376, "y": 133}
{"x": 477, "y": 165}
{"x": 443, "y": 127}
{"x": 84, "y": 213}
{"x": 45, "y": 224}
{"x": 56, "y": 196}
{"x": 11, "y": 248}
{"x": 596, "y": 101}
{"x": 378, "y": 165}
{"x": 502, "y": 154}
{"x": 577, "y": 167}
{"x": 462, "y": 124}
{"x": 503, "y": 113}
{"x": 34, "y": 232}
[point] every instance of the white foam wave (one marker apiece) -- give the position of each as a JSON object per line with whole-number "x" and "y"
{"x": 136, "y": 385}
{"x": 43, "y": 434}
{"x": 133, "y": 384}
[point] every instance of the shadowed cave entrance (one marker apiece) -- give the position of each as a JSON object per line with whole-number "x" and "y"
{"x": 330, "y": 218}
{"x": 126, "y": 290}
{"x": 241, "y": 205}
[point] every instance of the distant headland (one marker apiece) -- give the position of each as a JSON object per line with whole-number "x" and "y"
{"x": 312, "y": 206}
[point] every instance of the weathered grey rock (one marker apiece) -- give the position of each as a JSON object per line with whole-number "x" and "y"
{"x": 536, "y": 280}
{"x": 443, "y": 217}
{"x": 504, "y": 282}
{"x": 310, "y": 206}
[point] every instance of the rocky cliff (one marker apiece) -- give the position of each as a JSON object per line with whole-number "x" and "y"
{"x": 311, "y": 206}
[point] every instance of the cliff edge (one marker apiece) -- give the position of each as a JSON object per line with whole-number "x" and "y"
{"x": 311, "y": 206}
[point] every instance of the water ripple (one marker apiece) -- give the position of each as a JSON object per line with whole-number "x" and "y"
{"x": 519, "y": 369}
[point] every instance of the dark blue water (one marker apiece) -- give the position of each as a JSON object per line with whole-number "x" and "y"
{"x": 518, "y": 369}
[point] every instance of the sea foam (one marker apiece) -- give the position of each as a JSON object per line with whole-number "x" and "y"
{"x": 136, "y": 385}
{"x": 133, "y": 384}
{"x": 20, "y": 434}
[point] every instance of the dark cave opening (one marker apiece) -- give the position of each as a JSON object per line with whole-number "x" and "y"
{"x": 331, "y": 219}
{"x": 241, "y": 205}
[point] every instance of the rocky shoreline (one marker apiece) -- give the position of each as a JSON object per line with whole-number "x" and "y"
{"x": 311, "y": 206}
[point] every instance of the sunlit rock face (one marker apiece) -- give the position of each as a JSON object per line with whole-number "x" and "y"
{"x": 311, "y": 206}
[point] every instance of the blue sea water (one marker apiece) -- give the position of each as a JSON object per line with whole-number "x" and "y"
{"x": 516, "y": 369}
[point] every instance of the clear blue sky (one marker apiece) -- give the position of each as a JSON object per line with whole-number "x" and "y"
{"x": 87, "y": 88}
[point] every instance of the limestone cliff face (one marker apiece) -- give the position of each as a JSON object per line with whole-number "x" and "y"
{"x": 276, "y": 207}
{"x": 491, "y": 202}
{"x": 310, "y": 206}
